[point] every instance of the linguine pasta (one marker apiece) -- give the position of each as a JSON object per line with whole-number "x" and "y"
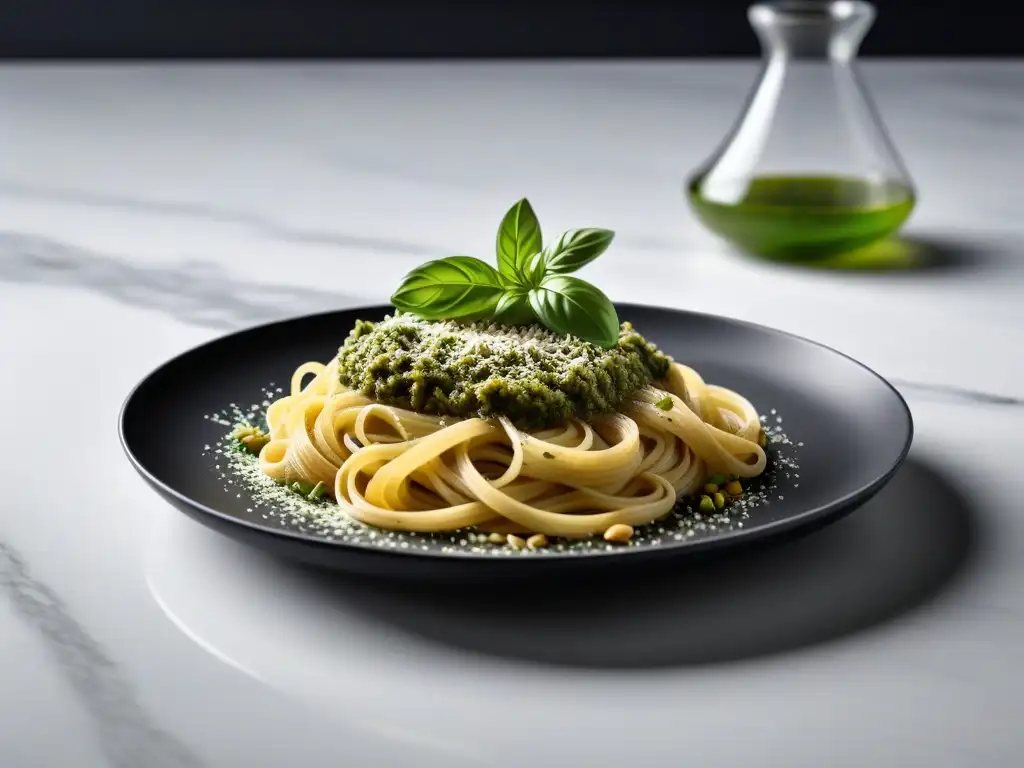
{"x": 401, "y": 470}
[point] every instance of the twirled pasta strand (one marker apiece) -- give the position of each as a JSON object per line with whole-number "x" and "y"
{"x": 396, "y": 469}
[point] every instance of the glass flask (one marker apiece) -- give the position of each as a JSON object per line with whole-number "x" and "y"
{"x": 807, "y": 172}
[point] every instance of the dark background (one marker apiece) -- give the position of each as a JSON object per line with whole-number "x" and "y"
{"x": 467, "y": 28}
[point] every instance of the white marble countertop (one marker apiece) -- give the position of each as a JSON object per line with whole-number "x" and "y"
{"x": 145, "y": 209}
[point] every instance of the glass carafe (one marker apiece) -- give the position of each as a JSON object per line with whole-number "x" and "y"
{"x": 808, "y": 171}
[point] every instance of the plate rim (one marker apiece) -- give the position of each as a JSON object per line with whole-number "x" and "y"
{"x": 730, "y": 539}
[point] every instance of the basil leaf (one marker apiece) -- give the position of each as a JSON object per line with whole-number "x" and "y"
{"x": 456, "y": 286}
{"x": 519, "y": 238}
{"x": 514, "y": 308}
{"x": 534, "y": 270}
{"x": 576, "y": 248}
{"x": 571, "y": 306}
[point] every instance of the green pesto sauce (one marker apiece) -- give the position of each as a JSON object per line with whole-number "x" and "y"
{"x": 533, "y": 376}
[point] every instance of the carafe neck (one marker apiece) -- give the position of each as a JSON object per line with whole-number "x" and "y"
{"x": 805, "y": 29}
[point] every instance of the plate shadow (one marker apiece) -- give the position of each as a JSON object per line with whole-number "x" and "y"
{"x": 897, "y": 552}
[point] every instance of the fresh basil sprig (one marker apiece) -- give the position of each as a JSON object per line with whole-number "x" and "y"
{"x": 569, "y": 305}
{"x": 531, "y": 284}
{"x": 453, "y": 287}
{"x": 575, "y": 249}
{"x": 519, "y": 238}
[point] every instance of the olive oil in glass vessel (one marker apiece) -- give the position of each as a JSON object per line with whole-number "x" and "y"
{"x": 807, "y": 172}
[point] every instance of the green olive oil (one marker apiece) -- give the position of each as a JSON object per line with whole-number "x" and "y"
{"x": 805, "y": 218}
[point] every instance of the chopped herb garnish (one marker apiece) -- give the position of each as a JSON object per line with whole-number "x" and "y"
{"x": 665, "y": 403}
{"x": 318, "y": 490}
{"x": 252, "y": 438}
{"x": 302, "y": 487}
{"x": 717, "y": 479}
{"x": 548, "y": 455}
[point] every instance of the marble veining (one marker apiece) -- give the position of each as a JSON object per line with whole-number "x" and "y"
{"x": 265, "y": 226}
{"x": 946, "y": 391}
{"x": 126, "y": 732}
{"x": 145, "y": 208}
{"x": 262, "y": 225}
{"x": 201, "y": 293}
{"x": 196, "y": 292}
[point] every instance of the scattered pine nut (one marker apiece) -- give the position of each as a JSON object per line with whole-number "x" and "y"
{"x": 620, "y": 532}
{"x": 537, "y": 541}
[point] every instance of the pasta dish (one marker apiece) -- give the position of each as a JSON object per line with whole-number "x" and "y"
{"x": 508, "y": 420}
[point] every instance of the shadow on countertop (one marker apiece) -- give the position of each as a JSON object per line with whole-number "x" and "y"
{"x": 912, "y": 255}
{"x": 896, "y": 553}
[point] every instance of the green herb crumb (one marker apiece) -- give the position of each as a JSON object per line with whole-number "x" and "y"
{"x": 665, "y": 403}
{"x": 252, "y": 438}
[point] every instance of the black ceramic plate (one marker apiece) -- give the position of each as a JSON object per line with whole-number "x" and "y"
{"x": 848, "y": 432}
